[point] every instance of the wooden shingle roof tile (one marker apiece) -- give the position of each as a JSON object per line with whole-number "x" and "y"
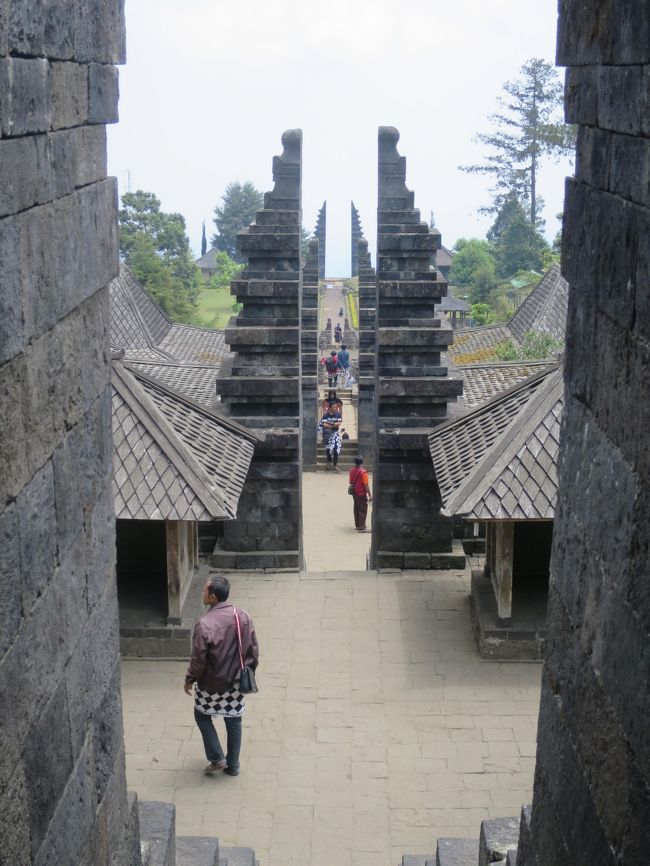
{"x": 459, "y": 445}
{"x": 516, "y": 476}
{"x": 482, "y": 381}
{"x": 172, "y": 458}
{"x": 197, "y": 381}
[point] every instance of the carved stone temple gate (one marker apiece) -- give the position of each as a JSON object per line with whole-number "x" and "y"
{"x": 403, "y": 387}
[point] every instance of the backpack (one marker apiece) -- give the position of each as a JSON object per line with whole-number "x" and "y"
{"x": 332, "y": 364}
{"x": 355, "y": 484}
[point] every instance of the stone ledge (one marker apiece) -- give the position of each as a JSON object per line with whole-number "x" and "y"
{"x": 522, "y": 640}
{"x": 456, "y": 852}
{"x": 408, "y": 561}
{"x": 270, "y": 560}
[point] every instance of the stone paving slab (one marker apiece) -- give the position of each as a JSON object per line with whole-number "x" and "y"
{"x": 376, "y": 730}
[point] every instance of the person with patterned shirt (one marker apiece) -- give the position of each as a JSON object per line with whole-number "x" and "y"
{"x": 212, "y": 674}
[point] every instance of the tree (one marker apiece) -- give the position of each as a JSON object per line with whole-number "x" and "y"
{"x": 157, "y": 277}
{"x": 527, "y": 129}
{"x": 226, "y": 269}
{"x": 469, "y": 255}
{"x": 156, "y": 247}
{"x": 204, "y": 240}
{"x": 518, "y": 246}
{"x": 481, "y": 314}
{"x": 484, "y": 281}
{"x": 239, "y": 204}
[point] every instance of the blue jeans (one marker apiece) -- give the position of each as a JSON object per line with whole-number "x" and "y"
{"x": 213, "y": 751}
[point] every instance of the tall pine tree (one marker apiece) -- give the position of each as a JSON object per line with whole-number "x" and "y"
{"x": 528, "y": 128}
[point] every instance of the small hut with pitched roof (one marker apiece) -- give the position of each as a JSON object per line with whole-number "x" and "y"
{"x": 497, "y": 466}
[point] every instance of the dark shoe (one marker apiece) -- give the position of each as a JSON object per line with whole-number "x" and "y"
{"x": 230, "y": 771}
{"x": 213, "y": 768}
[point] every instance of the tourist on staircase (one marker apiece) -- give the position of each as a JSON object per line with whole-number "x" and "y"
{"x": 333, "y": 402}
{"x": 332, "y": 369}
{"x": 329, "y": 427}
{"x": 359, "y": 487}
{"x": 344, "y": 358}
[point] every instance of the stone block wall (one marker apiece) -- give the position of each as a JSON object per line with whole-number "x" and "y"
{"x": 263, "y": 390}
{"x": 309, "y": 355}
{"x": 356, "y": 234}
{"x": 367, "y": 340}
{"x": 412, "y": 388}
{"x": 591, "y": 799}
{"x": 320, "y": 234}
{"x": 62, "y": 782}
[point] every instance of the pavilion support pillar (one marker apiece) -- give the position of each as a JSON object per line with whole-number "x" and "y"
{"x": 500, "y": 552}
{"x": 263, "y": 390}
{"x": 181, "y": 559}
{"x": 412, "y": 387}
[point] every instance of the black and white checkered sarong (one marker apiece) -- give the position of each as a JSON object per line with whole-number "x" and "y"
{"x": 230, "y": 704}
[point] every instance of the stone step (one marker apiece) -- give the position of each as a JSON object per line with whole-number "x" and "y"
{"x": 197, "y": 851}
{"x": 418, "y": 860}
{"x": 237, "y": 857}
{"x": 498, "y": 836}
{"x": 157, "y": 832}
{"x": 457, "y": 852}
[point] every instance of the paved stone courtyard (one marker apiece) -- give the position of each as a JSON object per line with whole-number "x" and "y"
{"x": 376, "y": 730}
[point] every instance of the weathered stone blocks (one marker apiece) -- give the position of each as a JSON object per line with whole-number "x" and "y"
{"x": 411, "y": 387}
{"x": 26, "y": 105}
{"x": 263, "y": 388}
{"x": 592, "y": 784}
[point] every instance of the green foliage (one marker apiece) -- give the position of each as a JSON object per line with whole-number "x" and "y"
{"x": 473, "y": 268}
{"x": 536, "y": 346}
{"x": 155, "y": 246}
{"x": 507, "y": 351}
{"x": 469, "y": 254}
{"x": 226, "y": 271}
{"x": 518, "y": 246}
{"x": 528, "y": 128}
{"x": 481, "y": 314}
{"x": 239, "y": 205}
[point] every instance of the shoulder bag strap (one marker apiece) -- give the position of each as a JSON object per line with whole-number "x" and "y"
{"x": 241, "y": 657}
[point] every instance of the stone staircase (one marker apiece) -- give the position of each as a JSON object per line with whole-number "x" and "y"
{"x": 159, "y": 845}
{"x": 497, "y": 843}
{"x": 349, "y": 450}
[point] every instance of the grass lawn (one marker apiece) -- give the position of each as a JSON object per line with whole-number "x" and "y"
{"x": 215, "y": 308}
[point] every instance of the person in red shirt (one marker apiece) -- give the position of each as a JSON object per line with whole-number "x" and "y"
{"x": 361, "y": 495}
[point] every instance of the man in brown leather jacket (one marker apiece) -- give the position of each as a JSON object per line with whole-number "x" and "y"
{"x": 212, "y": 675}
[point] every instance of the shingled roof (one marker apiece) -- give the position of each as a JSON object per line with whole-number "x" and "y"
{"x": 450, "y": 302}
{"x": 543, "y": 311}
{"x": 196, "y": 381}
{"x": 144, "y": 331}
{"x": 172, "y": 458}
{"x": 545, "y": 308}
{"x": 458, "y": 447}
{"x": 481, "y": 382}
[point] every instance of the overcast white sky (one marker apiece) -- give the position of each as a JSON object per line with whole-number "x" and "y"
{"x": 210, "y": 85}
